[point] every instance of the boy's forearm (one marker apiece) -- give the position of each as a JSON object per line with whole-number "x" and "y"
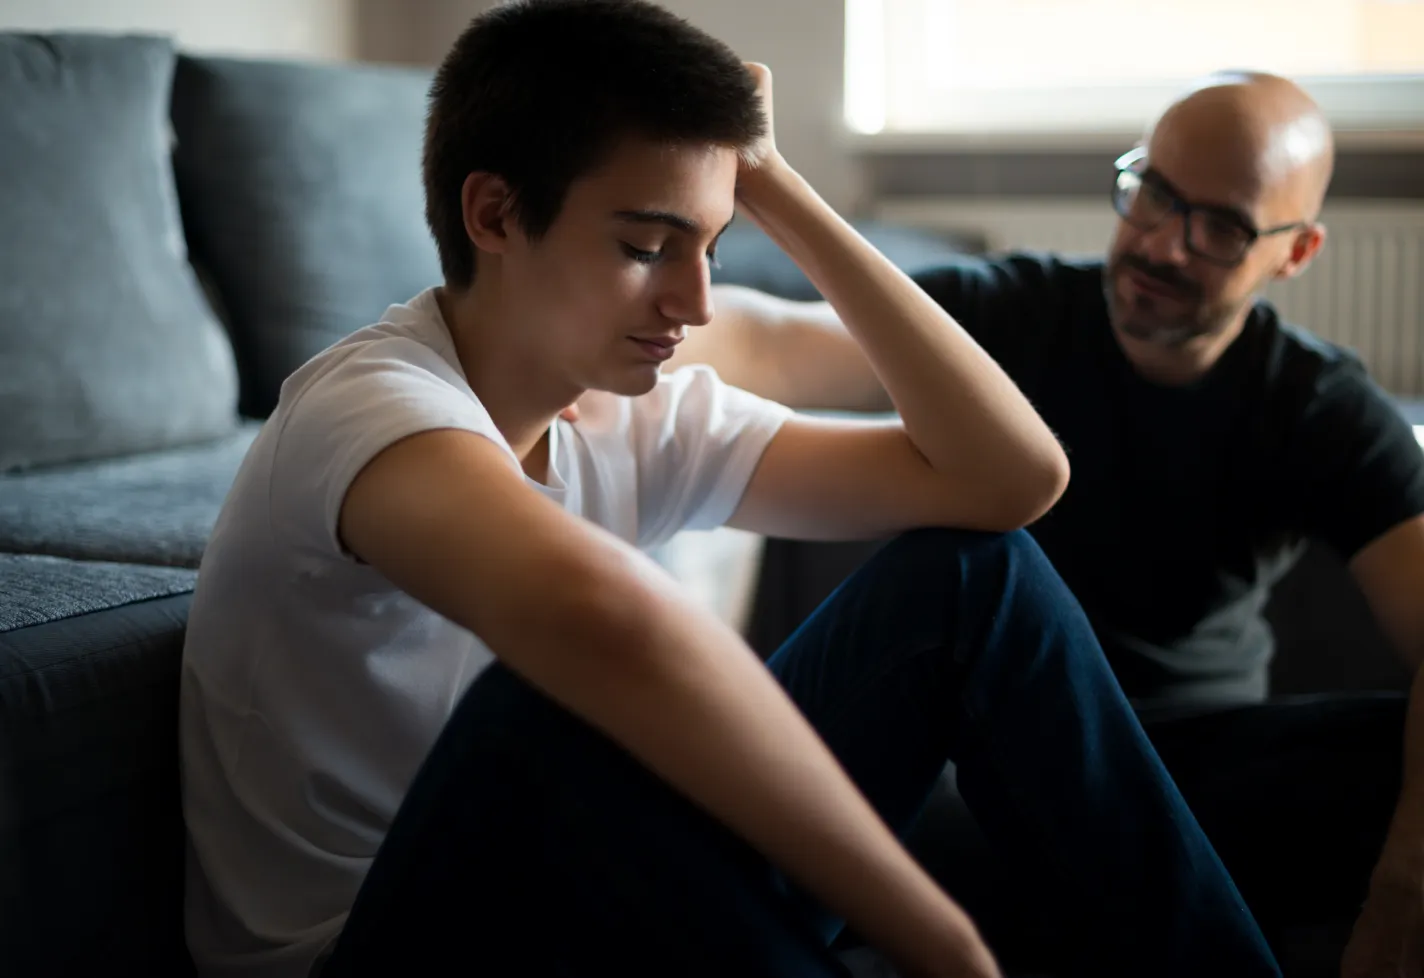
{"x": 682, "y": 693}
{"x": 962, "y": 411}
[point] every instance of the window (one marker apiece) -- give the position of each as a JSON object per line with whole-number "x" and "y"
{"x": 1075, "y": 66}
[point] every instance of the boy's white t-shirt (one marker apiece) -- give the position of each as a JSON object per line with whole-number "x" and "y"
{"x": 312, "y": 688}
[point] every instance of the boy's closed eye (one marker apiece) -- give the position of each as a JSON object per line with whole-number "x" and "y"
{"x": 649, "y": 257}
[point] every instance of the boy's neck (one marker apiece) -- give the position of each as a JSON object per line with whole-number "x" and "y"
{"x": 510, "y": 382}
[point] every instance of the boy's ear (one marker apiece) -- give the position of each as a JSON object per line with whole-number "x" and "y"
{"x": 485, "y": 200}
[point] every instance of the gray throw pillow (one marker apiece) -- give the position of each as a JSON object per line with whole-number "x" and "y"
{"x": 106, "y": 344}
{"x": 302, "y": 196}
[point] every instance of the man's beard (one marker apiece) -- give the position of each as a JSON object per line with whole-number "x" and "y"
{"x": 1196, "y": 318}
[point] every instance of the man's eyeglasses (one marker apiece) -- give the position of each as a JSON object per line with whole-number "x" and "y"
{"x": 1216, "y": 234}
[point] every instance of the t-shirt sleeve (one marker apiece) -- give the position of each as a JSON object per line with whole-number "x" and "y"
{"x": 1358, "y": 469}
{"x": 696, "y": 444}
{"x": 379, "y": 393}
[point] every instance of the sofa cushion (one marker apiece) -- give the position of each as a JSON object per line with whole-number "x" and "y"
{"x": 91, "y": 835}
{"x": 107, "y": 342}
{"x": 156, "y": 508}
{"x": 36, "y": 589}
{"x": 302, "y": 196}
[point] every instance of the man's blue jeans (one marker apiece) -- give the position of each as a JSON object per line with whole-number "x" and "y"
{"x": 529, "y": 844}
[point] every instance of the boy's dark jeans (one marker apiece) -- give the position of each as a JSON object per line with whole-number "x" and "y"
{"x": 529, "y": 844}
{"x": 1295, "y": 794}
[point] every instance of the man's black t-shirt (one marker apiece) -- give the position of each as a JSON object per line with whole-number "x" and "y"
{"x": 1186, "y": 504}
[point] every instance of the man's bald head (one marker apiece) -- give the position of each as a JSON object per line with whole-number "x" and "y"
{"x": 1259, "y": 131}
{"x": 1248, "y": 156}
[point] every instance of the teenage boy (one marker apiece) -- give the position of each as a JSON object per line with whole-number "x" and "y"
{"x": 439, "y": 711}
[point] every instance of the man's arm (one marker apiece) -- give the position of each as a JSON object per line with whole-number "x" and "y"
{"x": 447, "y": 517}
{"x": 795, "y": 353}
{"x": 1389, "y": 934}
{"x": 1390, "y": 572}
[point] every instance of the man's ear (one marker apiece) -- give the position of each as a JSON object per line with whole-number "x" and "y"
{"x": 1305, "y": 245}
{"x": 486, "y": 202}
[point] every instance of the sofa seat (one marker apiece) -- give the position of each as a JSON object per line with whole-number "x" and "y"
{"x": 155, "y": 508}
{"x": 90, "y": 827}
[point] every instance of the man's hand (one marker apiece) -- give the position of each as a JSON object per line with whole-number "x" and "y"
{"x": 1388, "y": 940}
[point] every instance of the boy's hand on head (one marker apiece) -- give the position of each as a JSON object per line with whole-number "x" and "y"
{"x": 762, "y": 165}
{"x": 763, "y": 149}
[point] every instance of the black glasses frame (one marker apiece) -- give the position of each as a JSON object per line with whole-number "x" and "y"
{"x": 1128, "y": 162}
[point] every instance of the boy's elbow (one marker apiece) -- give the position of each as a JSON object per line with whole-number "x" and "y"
{"x": 1034, "y": 491}
{"x": 1057, "y": 474}
{"x": 1045, "y": 486}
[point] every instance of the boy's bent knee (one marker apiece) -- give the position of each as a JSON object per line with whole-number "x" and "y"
{"x": 934, "y": 551}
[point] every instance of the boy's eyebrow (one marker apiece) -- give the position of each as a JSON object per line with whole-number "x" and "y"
{"x": 685, "y": 224}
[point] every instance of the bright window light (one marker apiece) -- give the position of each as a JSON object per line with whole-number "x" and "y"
{"x": 865, "y": 65}
{"x": 1075, "y": 65}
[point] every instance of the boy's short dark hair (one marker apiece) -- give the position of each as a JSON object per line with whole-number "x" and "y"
{"x": 539, "y": 91}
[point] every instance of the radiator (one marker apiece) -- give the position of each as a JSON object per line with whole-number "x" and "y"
{"x": 1365, "y": 291}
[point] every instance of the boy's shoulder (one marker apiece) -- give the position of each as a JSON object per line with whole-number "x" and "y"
{"x": 409, "y": 338}
{"x": 377, "y": 386}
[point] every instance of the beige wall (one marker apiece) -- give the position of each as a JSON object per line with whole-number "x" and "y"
{"x": 323, "y": 29}
{"x": 800, "y": 39}
{"x": 412, "y": 31}
{"x": 803, "y": 43}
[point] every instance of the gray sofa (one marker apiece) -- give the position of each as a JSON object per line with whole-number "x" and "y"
{"x": 182, "y": 232}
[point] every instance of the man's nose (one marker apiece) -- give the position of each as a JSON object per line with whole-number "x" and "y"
{"x": 1166, "y": 244}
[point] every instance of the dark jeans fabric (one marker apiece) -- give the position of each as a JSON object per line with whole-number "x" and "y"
{"x": 1295, "y": 795}
{"x": 530, "y": 844}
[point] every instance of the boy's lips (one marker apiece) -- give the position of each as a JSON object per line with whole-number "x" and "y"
{"x": 657, "y": 347}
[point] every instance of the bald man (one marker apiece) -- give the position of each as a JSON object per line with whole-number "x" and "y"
{"x": 1208, "y": 441}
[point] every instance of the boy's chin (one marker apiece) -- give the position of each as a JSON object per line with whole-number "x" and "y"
{"x": 632, "y": 382}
